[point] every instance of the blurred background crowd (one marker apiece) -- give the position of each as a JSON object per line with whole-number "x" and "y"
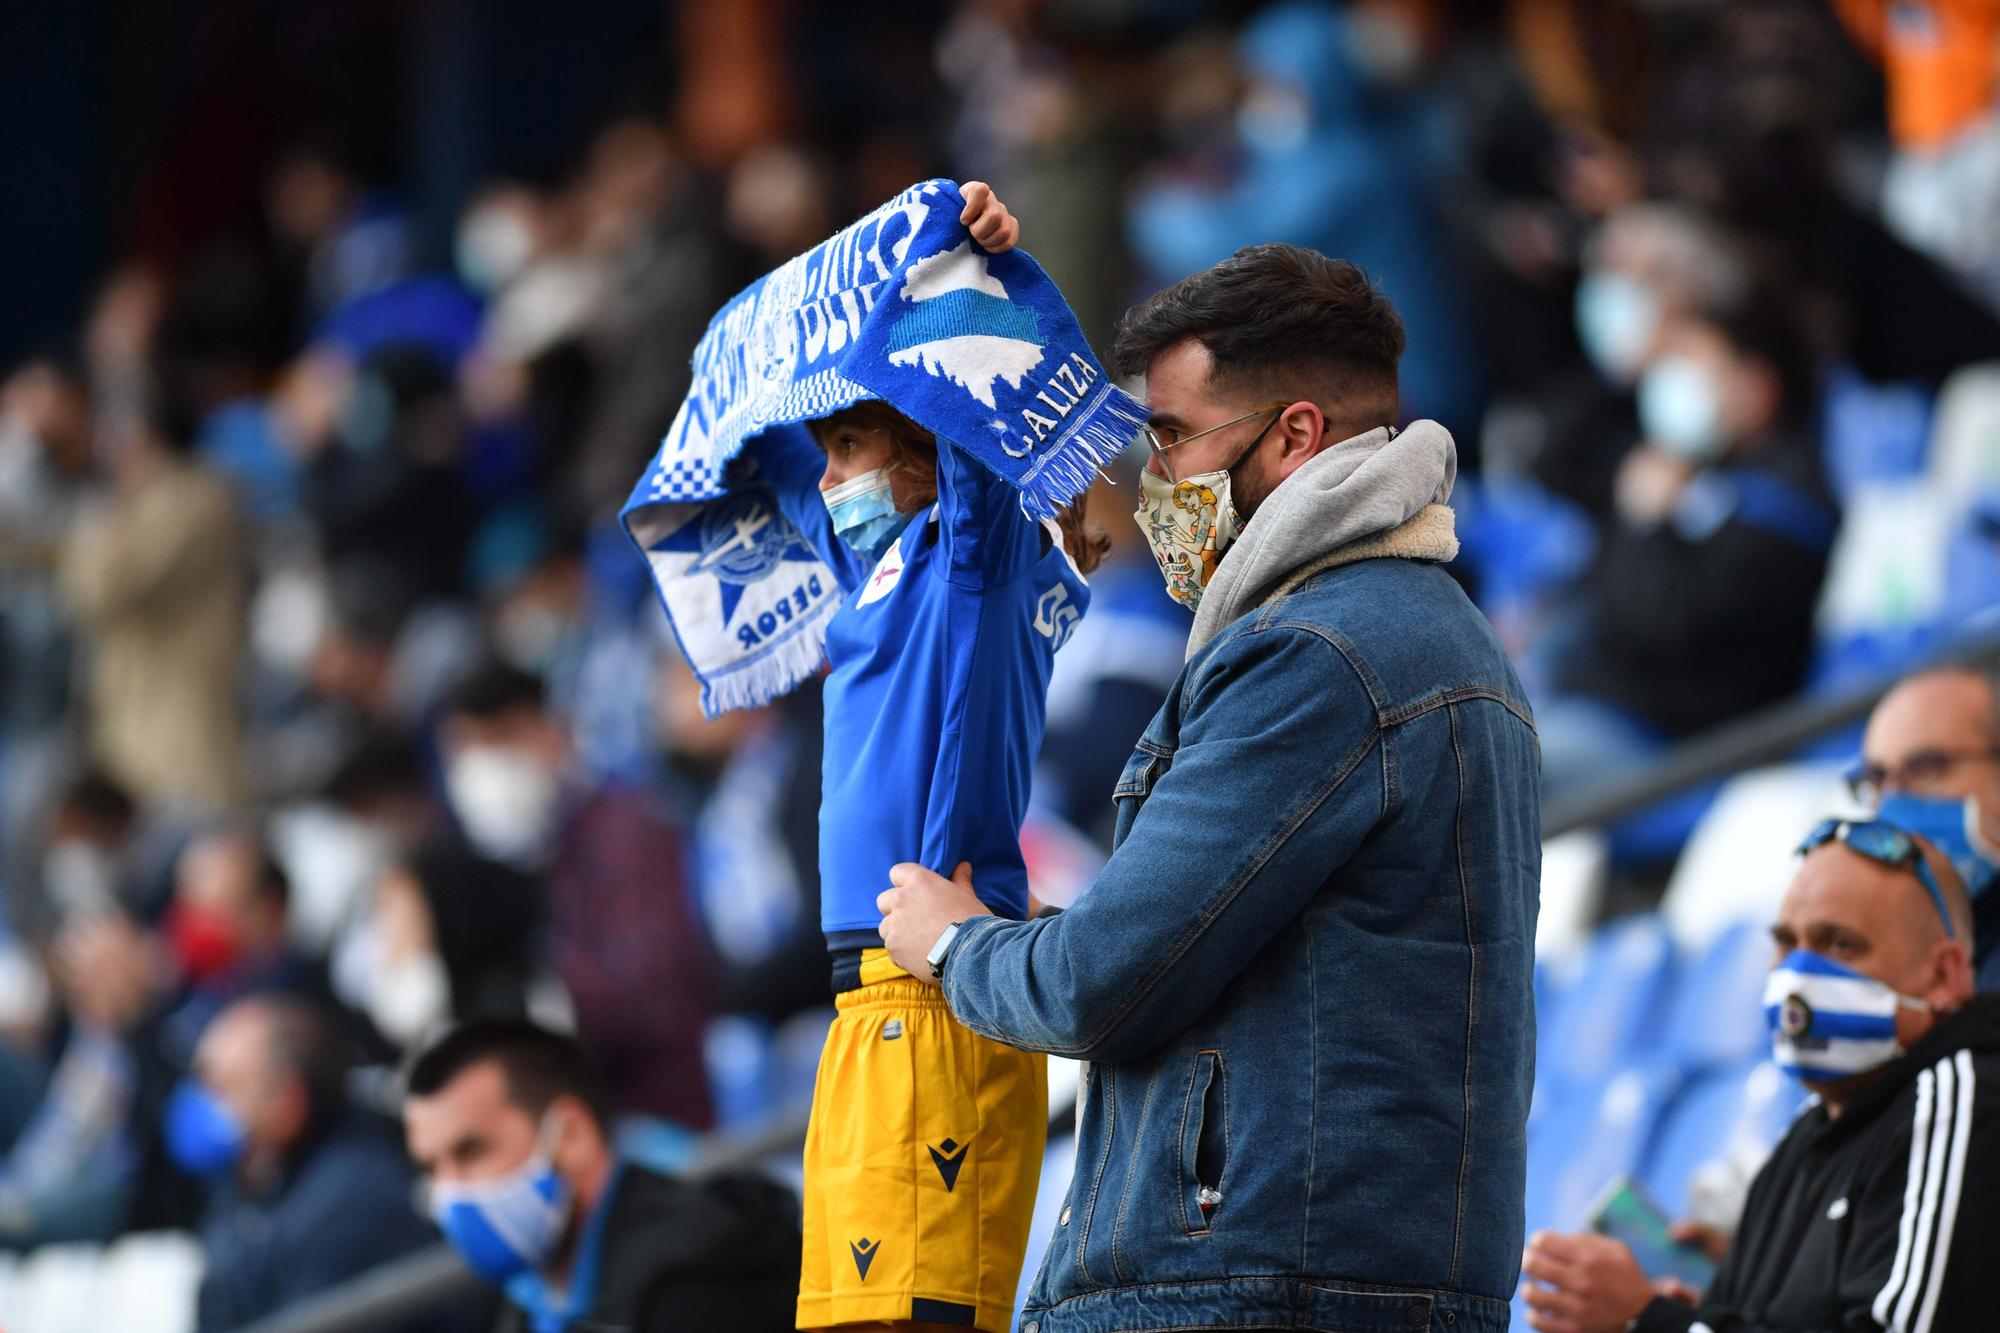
{"x": 336, "y": 334}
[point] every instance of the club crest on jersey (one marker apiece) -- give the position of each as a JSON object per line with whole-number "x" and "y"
{"x": 888, "y": 572}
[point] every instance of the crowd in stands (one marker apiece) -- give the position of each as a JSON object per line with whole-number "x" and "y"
{"x": 336, "y": 710}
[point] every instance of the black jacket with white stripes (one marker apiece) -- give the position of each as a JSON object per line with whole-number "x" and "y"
{"x": 1885, "y": 1218}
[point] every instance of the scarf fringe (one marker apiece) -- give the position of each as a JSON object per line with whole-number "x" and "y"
{"x": 800, "y": 656}
{"x": 1066, "y": 471}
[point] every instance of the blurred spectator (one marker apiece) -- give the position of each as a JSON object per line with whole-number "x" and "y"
{"x": 623, "y": 934}
{"x": 1941, "y": 64}
{"x": 508, "y": 1124}
{"x": 1871, "y": 1004}
{"x": 448, "y": 937}
{"x": 158, "y": 580}
{"x": 1930, "y": 762}
{"x": 1699, "y": 605}
{"x": 751, "y": 782}
{"x": 303, "y": 1194}
{"x": 1335, "y": 136}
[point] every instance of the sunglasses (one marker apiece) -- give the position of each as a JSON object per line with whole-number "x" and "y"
{"x": 1867, "y": 780}
{"x": 1884, "y": 843}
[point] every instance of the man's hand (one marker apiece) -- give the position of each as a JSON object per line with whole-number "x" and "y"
{"x": 1583, "y": 1284}
{"x": 993, "y": 227}
{"x": 1711, "y": 1241}
{"x": 917, "y": 910}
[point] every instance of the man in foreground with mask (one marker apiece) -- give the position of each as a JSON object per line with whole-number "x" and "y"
{"x": 507, "y": 1123}
{"x": 1876, "y": 1208}
{"x": 1930, "y": 763}
{"x": 302, "y": 1194}
{"x": 1303, "y": 979}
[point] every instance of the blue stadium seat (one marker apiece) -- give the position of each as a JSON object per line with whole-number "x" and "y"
{"x": 1872, "y": 432}
{"x": 1589, "y": 1133}
{"x": 1617, "y": 1007}
{"x": 1717, "y": 1016}
{"x": 738, "y": 1051}
{"x": 1733, "y": 1114}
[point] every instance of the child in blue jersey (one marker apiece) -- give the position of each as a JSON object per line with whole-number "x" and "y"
{"x": 926, "y": 1141}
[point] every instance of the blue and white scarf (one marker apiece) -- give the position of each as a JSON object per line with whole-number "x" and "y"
{"x": 979, "y": 349}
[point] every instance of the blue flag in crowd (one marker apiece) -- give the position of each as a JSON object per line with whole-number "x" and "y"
{"x": 979, "y": 349}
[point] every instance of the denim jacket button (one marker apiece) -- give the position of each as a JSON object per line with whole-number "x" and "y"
{"x": 1032, "y": 1326}
{"x": 1417, "y": 1315}
{"x": 1062, "y": 1221}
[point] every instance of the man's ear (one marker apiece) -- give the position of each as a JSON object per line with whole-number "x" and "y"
{"x": 579, "y": 1141}
{"x": 1302, "y": 433}
{"x": 1951, "y": 979}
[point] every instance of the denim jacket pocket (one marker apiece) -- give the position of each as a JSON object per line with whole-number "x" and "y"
{"x": 1204, "y": 1148}
{"x": 1149, "y": 760}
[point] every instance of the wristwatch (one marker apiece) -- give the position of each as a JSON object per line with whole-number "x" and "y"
{"x": 938, "y": 951}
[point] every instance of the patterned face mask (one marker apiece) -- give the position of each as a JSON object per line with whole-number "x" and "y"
{"x": 1828, "y": 1021}
{"x": 1188, "y": 524}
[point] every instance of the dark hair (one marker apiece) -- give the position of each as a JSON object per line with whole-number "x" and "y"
{"x": 1278, "y": 319}
{"x": 96, "y": 798}
{"x": 538, "y": 1065}
{"x": 495, "y": 689}
{"x": 913, "y": 451}
{"x": 1765, "y": 324}
{"x": 306, "y": 1040}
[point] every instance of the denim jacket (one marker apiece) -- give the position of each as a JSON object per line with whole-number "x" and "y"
{"x": 1303, "y": 981}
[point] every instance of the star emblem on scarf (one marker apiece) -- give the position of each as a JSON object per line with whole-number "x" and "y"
{"x": 738, "y": 541}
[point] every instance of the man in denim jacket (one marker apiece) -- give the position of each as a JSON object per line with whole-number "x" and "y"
{"x": 1303, "y": 981}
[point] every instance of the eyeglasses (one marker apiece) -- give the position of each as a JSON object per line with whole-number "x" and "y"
{"x": 1160, "y": 446}
{"x": 1868, "y": 780}
{"x": 1884, "y": 843}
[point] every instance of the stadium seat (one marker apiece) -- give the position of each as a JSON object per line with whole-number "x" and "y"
{"x": 1739, "y": 860}
{"x": 1616, "y": 1007}
{"x": 1965, "y": 443}
{"x": 1720, "y": 1124}
{"x": 740, "y": 1054}
{"x": 1589, "y": 1134}
{"x": 1872, "y": 432}
{"x": 1884, "y": 587}
{"x": 1572, "y": 891}
{"x": 1717, "y": 1016}
{"x": 144, "y": 1283}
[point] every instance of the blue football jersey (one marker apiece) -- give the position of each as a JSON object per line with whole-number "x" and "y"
{"x": 935, "y": 704}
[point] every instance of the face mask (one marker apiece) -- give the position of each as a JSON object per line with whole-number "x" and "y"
{"x": 1188, "y": 524}
{"x": 1616, "y": 318}
{"x": 203, "y": 1136}
{"x": 80, "y": 879}
{"x": 410, "y": 999}
{"x": 505, "y": 799}
{"x": 506, "y": 1225}
{"x": 494, "y": 244}
{"x": 202, "y": 940}
{"x": 1680, "y": 410}
{"x": 1828, "y": 1021}
{"x": 1953, "y": 827}
{"x": 864, "y": 513}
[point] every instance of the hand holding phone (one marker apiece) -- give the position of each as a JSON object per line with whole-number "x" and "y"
{"x": 1625, "y": 1212}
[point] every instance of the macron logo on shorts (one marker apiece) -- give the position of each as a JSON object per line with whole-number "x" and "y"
{"x": 864, "y": 1254}
{"x": 949, "y": 1157}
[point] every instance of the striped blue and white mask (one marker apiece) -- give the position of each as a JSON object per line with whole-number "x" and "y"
{"x": 1828, "y": 1021}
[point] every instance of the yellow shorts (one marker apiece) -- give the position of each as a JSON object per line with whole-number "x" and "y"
{"x": 922, "y": 1160}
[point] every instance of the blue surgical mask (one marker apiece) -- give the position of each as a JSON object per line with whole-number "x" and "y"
{"x": 1828, "y": 1021}
{"x": 1617, "y": 317}
{"x": 509, "y": 1224}
{"x": 203, "y": 1136}
{"x": 1951, "y": 826}
{"x": 864, "y": 513}
{"x": 1680, "y": 409}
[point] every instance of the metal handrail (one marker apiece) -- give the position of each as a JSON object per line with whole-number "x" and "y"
{"x": 1760, "y": 738}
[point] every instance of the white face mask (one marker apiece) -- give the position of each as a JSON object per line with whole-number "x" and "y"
{"x": 1617, "y": 317}
{"x": 505, "y": 799}
{"x": 1680, "y": 409}
{"x": 411, "y": 999}
{"x": 1187, "y": 524}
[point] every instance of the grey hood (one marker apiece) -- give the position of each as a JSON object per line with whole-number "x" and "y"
{"x": 1381, "y": 493}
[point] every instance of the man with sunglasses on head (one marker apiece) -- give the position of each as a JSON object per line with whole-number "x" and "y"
{"x": 1879, "y": 1208}
{"x": 1930, "y": 762}
{"x": 1304, "y": 979}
